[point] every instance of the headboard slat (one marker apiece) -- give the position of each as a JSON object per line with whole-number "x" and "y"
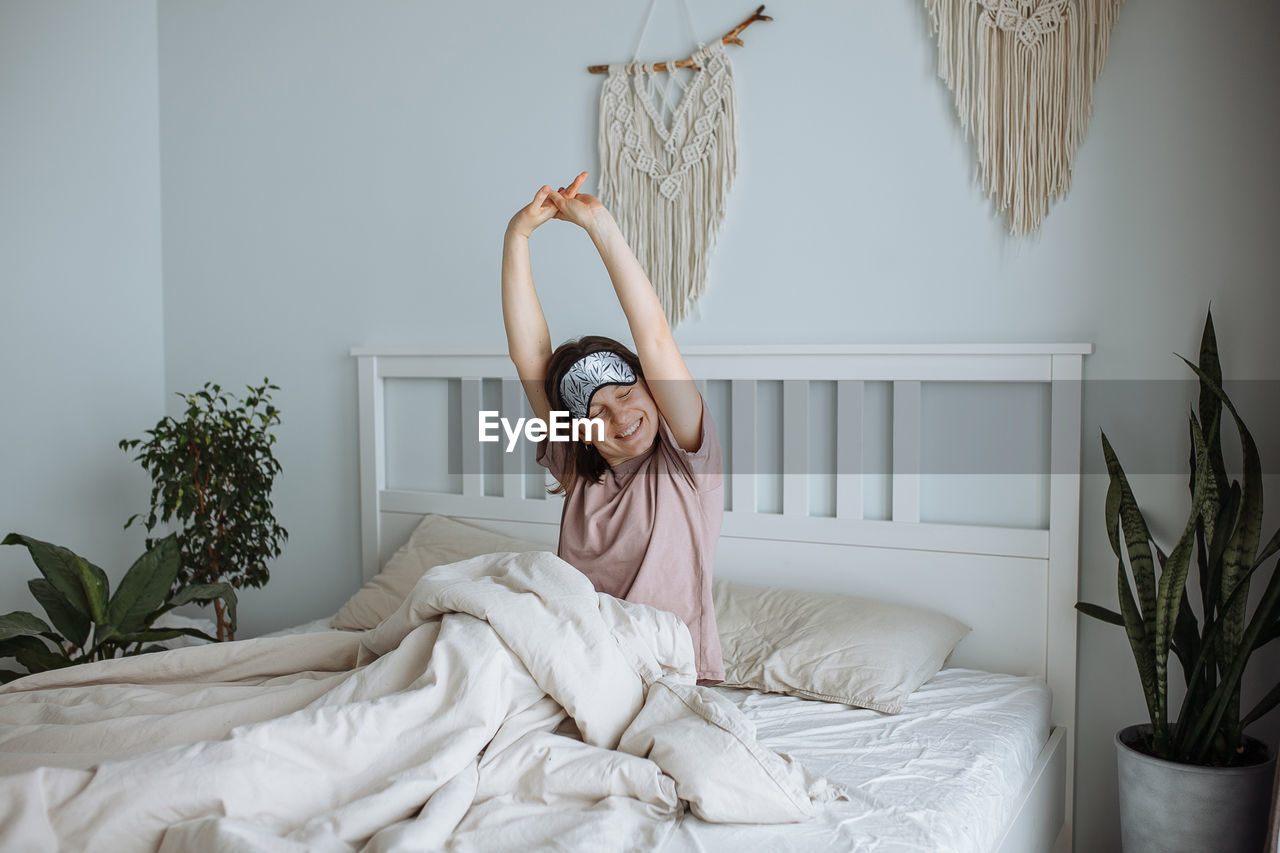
{"x": 373, "y": 463}
{"x": 743, "y": 449}
{"x": 906, "y": 450}
{"x": 472, "y": 464}
{"x": 795, "y": 447}
{"x": 849, "y": 448}
{"x": 513, "y": 469}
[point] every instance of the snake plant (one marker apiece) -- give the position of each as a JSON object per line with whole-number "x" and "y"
{"x": 1221, "y": 537}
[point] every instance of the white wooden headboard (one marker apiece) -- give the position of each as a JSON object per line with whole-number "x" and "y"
{"x": 833, "y": 471}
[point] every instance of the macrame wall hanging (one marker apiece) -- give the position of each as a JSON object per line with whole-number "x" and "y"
{"x": 666, "y": 169}
{"x": 1022, "y": 72}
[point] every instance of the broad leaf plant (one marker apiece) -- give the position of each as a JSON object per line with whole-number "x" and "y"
{"x": 88, "y": 623}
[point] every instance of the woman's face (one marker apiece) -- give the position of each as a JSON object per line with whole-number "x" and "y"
{"x": 630, "y": 421}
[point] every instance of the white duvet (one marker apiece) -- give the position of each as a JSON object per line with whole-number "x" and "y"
{"x": 505, "y": 706}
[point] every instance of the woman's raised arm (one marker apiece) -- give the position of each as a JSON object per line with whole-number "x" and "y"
{"x": 665, "y": 372}
{"x": 528, "y": 339}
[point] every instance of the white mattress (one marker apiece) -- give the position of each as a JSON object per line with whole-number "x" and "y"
{"x": 941, "y": 777}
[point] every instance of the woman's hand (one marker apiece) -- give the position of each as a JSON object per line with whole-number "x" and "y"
{"x": 541, "y": 209}
{"x": 529, "y": 217}
{"x": 579, "y": 208}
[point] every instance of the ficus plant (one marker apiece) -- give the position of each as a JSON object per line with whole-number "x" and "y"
{"x": 212, "y": 471}
{"x": 89, "y": 623}
{"x": 1221, "y": 540}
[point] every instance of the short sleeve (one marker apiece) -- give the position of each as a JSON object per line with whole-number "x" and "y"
{"x": 553, "y": 455}
{"x": 705, "y": 465}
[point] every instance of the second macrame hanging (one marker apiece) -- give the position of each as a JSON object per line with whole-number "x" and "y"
{"x": 666, "y": 179}
{"x": 1022, "y": 72}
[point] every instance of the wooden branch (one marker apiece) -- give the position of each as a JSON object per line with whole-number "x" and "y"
{"x": 730, "y": 37}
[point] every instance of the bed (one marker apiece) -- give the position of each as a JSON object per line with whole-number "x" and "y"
{"x": 941, "y": 476}
{"x": 838, "y": 488}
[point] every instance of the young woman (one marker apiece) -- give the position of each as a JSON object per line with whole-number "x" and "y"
{"x": 643, "y": 504}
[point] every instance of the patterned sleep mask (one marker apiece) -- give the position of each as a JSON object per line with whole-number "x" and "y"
{"x": 588, "y": 375}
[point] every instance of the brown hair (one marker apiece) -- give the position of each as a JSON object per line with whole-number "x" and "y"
{"x": 581, "y": 460}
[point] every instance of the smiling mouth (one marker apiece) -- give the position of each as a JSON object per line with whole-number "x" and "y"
{"x": 635, "y": 427}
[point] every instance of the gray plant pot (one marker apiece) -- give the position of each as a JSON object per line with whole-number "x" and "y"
{"x": 1166, "y": 807}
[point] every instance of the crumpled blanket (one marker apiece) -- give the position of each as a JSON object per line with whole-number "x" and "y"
{"x": 505, "y": 706}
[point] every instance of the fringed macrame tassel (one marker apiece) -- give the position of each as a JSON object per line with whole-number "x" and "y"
{"x": 1022, "y": 72}
{"x": 667, "y": 185}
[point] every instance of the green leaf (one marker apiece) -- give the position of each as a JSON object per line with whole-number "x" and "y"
{"x": 1272, "y": 546}
{"x": 1100, "y": 613}
{"x": 1203, "y": 680}
{"x": 156, "y": 635}
{"x": 1227, "y": 695}
{"x": 1209, "y": 405}
{"x": 22, "y": 624}
{"x": 83, "y": 584}
{"x": 71, "y": 624}
{"x": 1211, "y": 582}
{"x": 1173, "y": 580}
{"x": 1139, "y": 624}
{"x": 40, "y": 660}
{"x": 1263, "y": 707}
{"x": 204, "y": 592}
{"x": 103, "y": 634}
{"x": 145, "y": 586}
{"x": 9, "y": 648}
{"x": 57, "y": 566}
{"x": 1122, "y": 510}
{"x": 1186, "y": 639}
{"x": 1211, "y": 635}
{"x": 1209, "y": 558}
{"x": 96, "y": 588}
{"x": 1268, "y": 634}
{"x": 1242, "y": 547}
{"x": 1143, "y": 655}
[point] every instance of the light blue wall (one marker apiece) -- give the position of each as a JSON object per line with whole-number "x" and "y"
{"x": 81, "y": 337}
{"x": 339, "y": 173}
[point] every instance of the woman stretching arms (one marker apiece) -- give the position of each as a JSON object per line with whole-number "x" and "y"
{"x": 643, "y": 504}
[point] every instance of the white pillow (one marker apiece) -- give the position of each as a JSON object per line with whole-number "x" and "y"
{"x": 438, "y": 540}
{"x": 837, "y": 648}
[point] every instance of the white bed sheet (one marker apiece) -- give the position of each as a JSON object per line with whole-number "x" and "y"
{"x": 315, "y": 626}
{"x": 943, "y": 776}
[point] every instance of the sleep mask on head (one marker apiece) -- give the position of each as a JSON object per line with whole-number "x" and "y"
{"x": 588, "y": 375}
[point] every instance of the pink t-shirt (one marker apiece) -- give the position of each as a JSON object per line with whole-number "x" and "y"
{"x": 647, "y": 531}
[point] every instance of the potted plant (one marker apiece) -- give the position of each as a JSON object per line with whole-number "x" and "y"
{"x": 1190, "y": 778}
{"x": 212, "y": 473}
{"x": 89, "y": 623}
